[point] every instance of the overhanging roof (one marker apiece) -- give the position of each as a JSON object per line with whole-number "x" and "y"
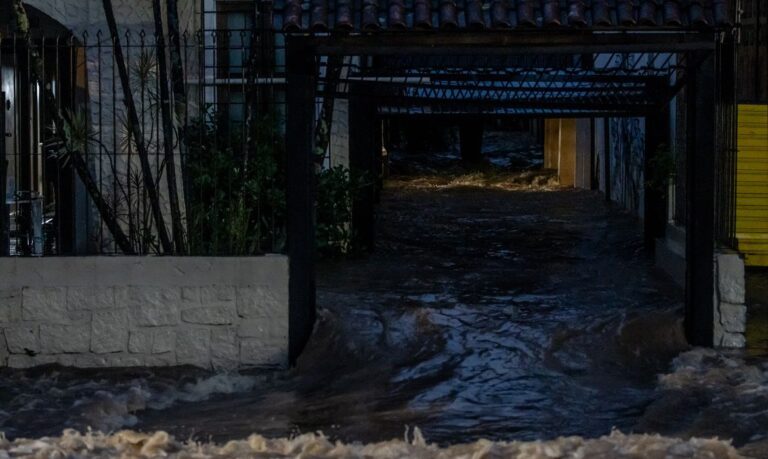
{"x": 370, "y": 16}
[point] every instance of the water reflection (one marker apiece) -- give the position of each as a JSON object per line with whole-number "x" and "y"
{"x": 502, "y": 311}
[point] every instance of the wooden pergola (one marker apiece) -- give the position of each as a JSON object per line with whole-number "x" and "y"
{"x": 509, "y": 58}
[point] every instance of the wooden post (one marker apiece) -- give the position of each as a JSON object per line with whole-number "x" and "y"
{"x": 4, "y": 235}
{"x": 699, "y": 243}
{"x": 364, "y": 157}
{"x": 654, "y": 203}
{"x": 607, "y": 157}
{"x": 471, "y": 141}
{"x": 594, "y": 180}
{"x": 300, "y": 121}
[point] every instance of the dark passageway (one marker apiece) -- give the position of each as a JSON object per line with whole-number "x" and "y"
{"x": 496, "y": 305}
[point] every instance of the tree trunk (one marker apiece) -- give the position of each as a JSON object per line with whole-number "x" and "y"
{"x": 177, "y": 68}
{"x": 179, "y": 91}
{"x": 177, "y": 226}
{"x": 251, "y": 95}
{"x": 106, "y": 212}
{"x": 133, "y": 121}
{"x": 325, "y": 120}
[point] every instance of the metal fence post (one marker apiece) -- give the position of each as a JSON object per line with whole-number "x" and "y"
{"x": 300, "y": 121}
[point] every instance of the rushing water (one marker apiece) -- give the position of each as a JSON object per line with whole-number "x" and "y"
{"x": 491, "y": 308}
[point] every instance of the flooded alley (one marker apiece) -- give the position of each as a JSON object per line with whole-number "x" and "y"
{"x": 496, "y": 305}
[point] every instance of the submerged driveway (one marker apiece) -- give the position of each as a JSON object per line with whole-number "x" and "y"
{"x": 489, "y": 309}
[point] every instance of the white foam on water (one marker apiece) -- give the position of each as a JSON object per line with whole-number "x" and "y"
{"x": 129, "y": 444}
{"x": 205, "y": 388}
{"x": 108, "y": 409}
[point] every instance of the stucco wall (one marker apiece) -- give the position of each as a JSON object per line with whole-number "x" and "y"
{"x": 730, "y": 300}
{"x": 210, "y": 312}
{"x": 109, "y": 151}
{"x": 627, "y": 150}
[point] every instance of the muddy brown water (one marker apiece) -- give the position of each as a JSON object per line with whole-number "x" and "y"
{"x": 485, "y": 312}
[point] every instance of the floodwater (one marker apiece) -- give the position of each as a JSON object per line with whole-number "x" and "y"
{"x": 495, "y": 306}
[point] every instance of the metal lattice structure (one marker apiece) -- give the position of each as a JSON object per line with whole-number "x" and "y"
{"x": 515, "y": 85}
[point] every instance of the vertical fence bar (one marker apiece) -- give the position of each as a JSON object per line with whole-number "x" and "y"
{"x": 700, "y": 192}
{"x": 4, "y": 242}
{"x": 300, "y": 121}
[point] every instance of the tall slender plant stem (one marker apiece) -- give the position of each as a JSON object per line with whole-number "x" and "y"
{"x": 133, "y": 121}
{"x": 179, "y": 90}
{"x": 177, "y": 226}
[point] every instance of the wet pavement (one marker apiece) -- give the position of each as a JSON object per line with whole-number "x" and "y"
{"x": 495, "y": 305}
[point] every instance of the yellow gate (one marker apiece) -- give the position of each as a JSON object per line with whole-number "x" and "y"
{"x": 752, "y": 184}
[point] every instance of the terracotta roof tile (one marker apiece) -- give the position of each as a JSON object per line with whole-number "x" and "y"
{"x": 292, "y": 18}
{"x": 526, "y": 14}
{"x": 625, "y": 12}
{"x": 474, "y": 14}
{"x": 601, "y": 15}
{"x": 397, "y": 18}
{"x": 672, "y": 13}
{"x": 374, "y": 15}
{"x": 344, "y": 16}
{"x": 576, "y": 13}
{"x": 371, "y": 15}
{"x": 448, "y": 15}
{"x": 319, "y": 16}
{"x": 499, "y": 16}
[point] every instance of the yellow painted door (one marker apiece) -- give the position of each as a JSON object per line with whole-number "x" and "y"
{"x": 752, "y": 184}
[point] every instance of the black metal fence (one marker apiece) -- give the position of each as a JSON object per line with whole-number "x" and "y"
{"x": 726, "y": 148}
{"x": 178, "y": 146}
{"x": 163, "y": 151}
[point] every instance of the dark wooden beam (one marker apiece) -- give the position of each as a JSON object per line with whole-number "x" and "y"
{"x": 465, "y": 105}
{"x": 4, "y": 216}
{"x": 607, "y": 158}
{"x": 594, "y": 180}
{"x": 434, "y": 113}
{"x": 300, "y": 114}
{"x": 365, "y": 158}
{"x": 512, "y": 42}
{"x": 654, "y": 202}
{"x": 471, "y": 141}
{"x": 700, "y": 188}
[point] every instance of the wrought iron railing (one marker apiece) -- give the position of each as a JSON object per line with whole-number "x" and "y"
{"x": 92, "y": 150}
{"x": 725, "y": 152}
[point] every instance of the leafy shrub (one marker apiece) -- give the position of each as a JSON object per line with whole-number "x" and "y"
{"x": 238, "y": 207}
{"x": 235, "y": 202}
{"x": 337, "y": 189}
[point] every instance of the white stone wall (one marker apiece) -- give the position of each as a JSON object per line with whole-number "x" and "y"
{"x": 210, "y": 312}
{"x": 729, "y": 300}
{"x": 339, "y": 141}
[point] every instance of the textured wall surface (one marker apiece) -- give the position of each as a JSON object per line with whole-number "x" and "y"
{"x": 730, "y": 300}
{"x": 627, "y": 150}
{"x": 210, "y": 312}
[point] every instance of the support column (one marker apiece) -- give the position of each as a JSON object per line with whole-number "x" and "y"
{"x": 4, "y": 235}
{"x": 471, "y": 141}
{"x": 655, "y": 204}
{"x": 594, "y": 179}
{"x": 699, "y": 243}
{"x": 364, "y": 157}
{"x": 607, "y": 158}
{"x": 300, "y": 121}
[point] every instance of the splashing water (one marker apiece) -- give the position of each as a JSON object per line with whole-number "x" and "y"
{"x": 485, "y": 315}
{"x": 129, "y": 444}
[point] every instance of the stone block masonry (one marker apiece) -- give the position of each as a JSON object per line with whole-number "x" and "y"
{"x": 211, "y": 312}
{"x": 729, "y": 300}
